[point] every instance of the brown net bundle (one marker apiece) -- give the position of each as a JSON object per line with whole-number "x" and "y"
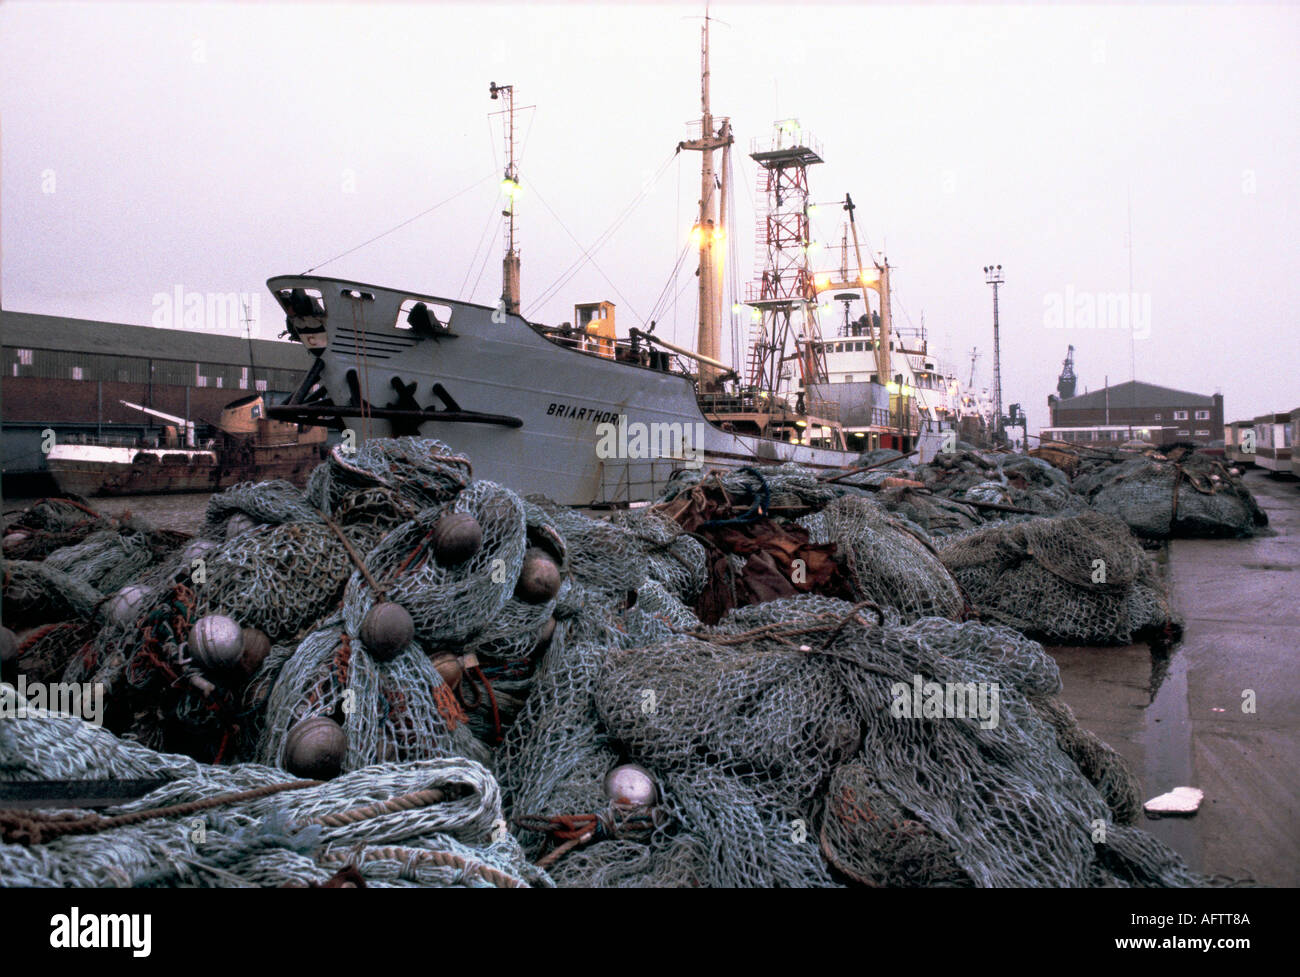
{"x": 1079, "y": 579}
{"x": 44, "y": 652}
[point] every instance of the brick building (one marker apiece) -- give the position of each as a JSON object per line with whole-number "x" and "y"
{"x": 70, "y": 375}
{"x": 1139, "y": 410}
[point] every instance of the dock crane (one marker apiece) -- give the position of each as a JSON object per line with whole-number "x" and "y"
{"x": 1065, "y": 383}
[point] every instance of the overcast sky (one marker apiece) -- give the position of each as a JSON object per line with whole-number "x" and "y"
{"x": 210, "y": 146}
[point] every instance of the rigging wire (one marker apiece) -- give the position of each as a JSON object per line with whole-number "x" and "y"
{"x": 483, "y": 267}
{"x": 567, "y": 275}
{"x": 398, "y": 227}
{"x": 588, "y": 255}
{"x": 487, "y": 226}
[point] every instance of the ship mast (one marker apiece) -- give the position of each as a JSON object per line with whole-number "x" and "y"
{"x": 510, "y": 186}
{"x": 710, "y": 227}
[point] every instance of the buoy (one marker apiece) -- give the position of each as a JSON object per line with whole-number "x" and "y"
{"x": 315, "y": 748}
{"x": 386, "y": 630}
{"x": 539, "y": 580}
{"x": 631, "y": 785}
{"x": 195, "y": 549}
{"x": 239, "y": 523}
{"x": 256, "y": 647}
{"x": 450, "y": 668}
{"x": 8, "y": 645}
{"x": 216, "y": 641}
{"x": 544, "y": 635}
{"x": 126, "y": 604}
{"x": 457, "y": 536}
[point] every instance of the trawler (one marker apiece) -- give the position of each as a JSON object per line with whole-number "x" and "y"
{"x": 537, "y": 407}
{"x": 246, "y": 446}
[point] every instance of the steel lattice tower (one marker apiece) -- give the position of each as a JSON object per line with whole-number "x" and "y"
{"x": 784, "y": 282}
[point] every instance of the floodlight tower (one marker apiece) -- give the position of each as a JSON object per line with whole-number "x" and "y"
{"x": 993, "y": 276}
{"x": 783, "y": 298}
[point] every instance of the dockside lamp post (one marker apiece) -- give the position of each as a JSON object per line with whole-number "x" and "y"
{"x": 993, "y": 276}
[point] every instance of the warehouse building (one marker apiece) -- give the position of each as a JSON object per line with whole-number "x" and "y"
{"x": 1136, "y": 410}
{"x": 70, "y": 376}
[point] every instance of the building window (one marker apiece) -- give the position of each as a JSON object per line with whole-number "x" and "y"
{"x": 1203, "y": 434}
{"x": 1183, "y": 432}
{"x": 848, "y": 378}
{"x": 25, "y": 357}
{"x": 76, "y": 373}
{"x": 1202, "y": 415}
{"x": 1158, "y": 417}
{"x": 1180, "y": 415}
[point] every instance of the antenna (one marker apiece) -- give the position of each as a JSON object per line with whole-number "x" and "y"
{"x": 248, "y": 331}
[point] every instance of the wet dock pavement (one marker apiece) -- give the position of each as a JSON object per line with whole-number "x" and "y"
{"x": 1179, "y": 720}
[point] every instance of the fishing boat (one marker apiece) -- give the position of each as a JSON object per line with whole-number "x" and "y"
{"x": 246, "y": 446}
{"x": 589, "y": 417}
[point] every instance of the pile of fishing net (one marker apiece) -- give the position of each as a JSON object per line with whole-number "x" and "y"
{"x": 780, "y": 531}
{"x": 1067, "y": 580}
{"x": 999, "y": 483}
{"x": 400, "y": 628}
{"x": 422, "y": 823}
{"x": 789, "y": 745}
{"x": 48, "y": 525}
{"x": 1161, "y": 496}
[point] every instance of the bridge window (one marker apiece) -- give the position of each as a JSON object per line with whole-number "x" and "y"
{"x": 428, "y": 316}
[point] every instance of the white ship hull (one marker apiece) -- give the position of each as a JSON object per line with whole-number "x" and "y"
{"x": 559, "y": 396}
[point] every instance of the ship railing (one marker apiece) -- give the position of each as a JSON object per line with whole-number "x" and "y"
{"x": 742, "y": 402}
{"x": 828, "y": 410}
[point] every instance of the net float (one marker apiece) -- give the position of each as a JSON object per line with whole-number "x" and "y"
{"x": 544, "y": 634}
{"x": 216, "y": 641}
{"x": 125, "y": 606}
{"x": 386, "y": 630}
{"x": 457, "y": 536}
{"x": 256, "y": 647}
{"x": 630, "y": 785}
{"x": 315, "y": 748}
{"x": 539, "y": 580}
{"x": 195, "y": 549}
{"x": 239, "y": 523}
{"x": 450, "y": 668}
